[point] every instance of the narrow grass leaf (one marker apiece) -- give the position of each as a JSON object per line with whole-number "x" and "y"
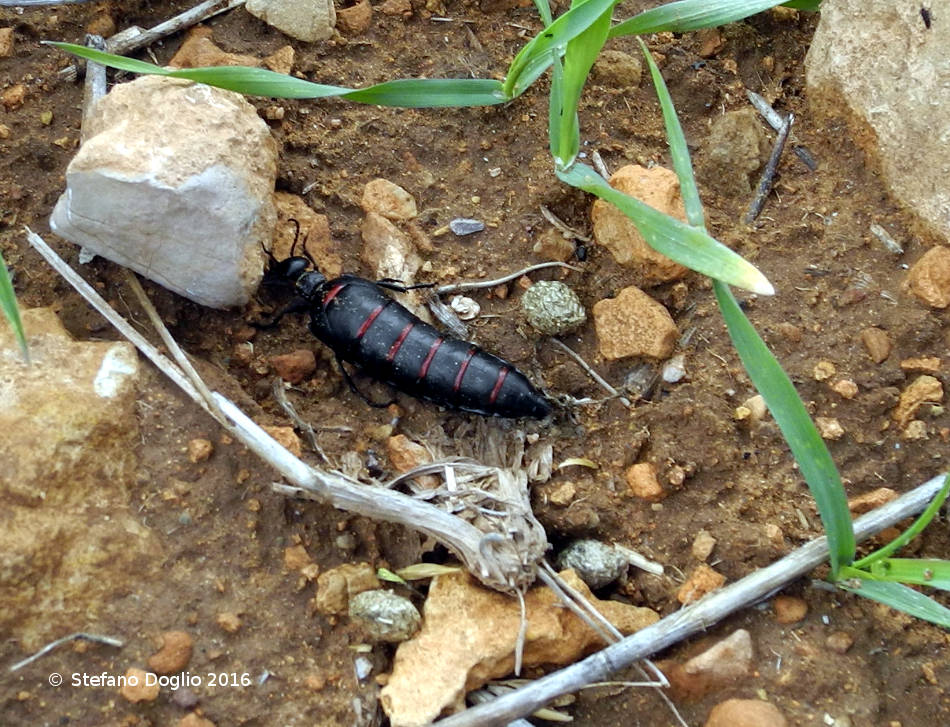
{"x": 405, "y": 93}
{"x": 687, "y": 245}
{"x": 579, "y": 57}
{"x": 535, "y": 56}
{"x": 914, "y": 571}
{"x": 922, "y": 521}
{"x": 685, "y": 15}
{"x": 544, "y": 10}
{"x": 11, "y": 311}
{"x": 808, "y": 448}
{"x": 811, "y": 5}
{"x": 679, "y": 151}
{"x": 555, "y": 107}
{"x": 901, "y": 597}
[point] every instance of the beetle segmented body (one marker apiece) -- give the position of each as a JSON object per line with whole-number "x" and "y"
{"x": 366, "y": 327}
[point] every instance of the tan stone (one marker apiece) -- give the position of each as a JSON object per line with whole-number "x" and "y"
{"x": 789, "y": 609}
{"x": 229, "y": 621}
{"x": 829, "y": 428}
{"x": 295, "y": 366}
{"x": 199, "y": 51}
{"x": 313, "y": 236}
{"x": 659, "y": 188}
{"x": 839, "y": 642}
{"x": 552, "y": 245}
{"x": 824, "y": 370}
{"x": 68, "y": 433}
{"x": 922, "y": 365}
{"x": 136, "y": 689}
{"x": 468, "y": 637}
{"x": 336, "y": 586}
{"x": 356, "y": 19}
{"x": 563, "y": 494}
{"x": 389, "y": 200}
{"x": 701, "y": 581}
{"x": 404, "y": 455}
{"x": 6, "y": 42}
{"x": 174, "y": 653}
{"x": 745, "y": 713}
{"x": 845, "y": 388}
{"x": 401, "y": 8}
{"x": 929, "y": 278}
{"x": 286, "y": 437}
{"x": 871, "y": 500}
{"x": 199, "y": 450}
{"x": 296, "y": 557}
{"x": 920, "y": 391}
{"x": 13, "y": 97}
{"x": 703, "y": 545}
{"x": 718, "y": 666}
{"x": 281, "y": 60}
{"x": 633, "y": 324}
{"x": 877, "y": 343}
{"x": 643, "y": 483}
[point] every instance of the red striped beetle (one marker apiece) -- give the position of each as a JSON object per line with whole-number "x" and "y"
{"x": 365, "y": 327}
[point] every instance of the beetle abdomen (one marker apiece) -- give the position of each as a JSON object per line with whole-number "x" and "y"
{"x": 367, "y": 328}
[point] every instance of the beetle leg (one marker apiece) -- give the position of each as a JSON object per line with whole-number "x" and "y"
{"x": 400, "y": 287}
{"x": 360, "y": 394}
{"x": 297, "y": 305}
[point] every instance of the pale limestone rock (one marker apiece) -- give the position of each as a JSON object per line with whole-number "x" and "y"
{"x": 789, "y": 609}
{"x": 306, "y": 20}
{"x": 657, "y": 187}
{"x": 724, "y": 661}
{"x": 404, "y": 455}
{"x": 898, "y": 103}
{"x": 929, "y": 278}
{"x": 69, "y": 543}
{"x": 633, "y": 324}
{"x": 389, "y": 200}
{"x": 384, "y": 615}
{"x": 737, "y": 146}
{"x": 597, "y": 564}
{"x": 745, "y": 713}
{"x": 175, "y": 180}
{"x": 703, "y": 545}
{"x": 312, "y": 239}
{"x": 468, "y": 637}
{"x": 829, "y": 427}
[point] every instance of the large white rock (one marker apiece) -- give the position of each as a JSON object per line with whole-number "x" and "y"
{"x": 307, "y": 20}
{"x": 879, "y": 61}
{"x": 175, "y": 180}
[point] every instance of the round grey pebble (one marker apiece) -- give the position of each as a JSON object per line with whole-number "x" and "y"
{"x": 552, "y": 308}
{"x": 384, "y": 615}
{"x": 595, "y": 563}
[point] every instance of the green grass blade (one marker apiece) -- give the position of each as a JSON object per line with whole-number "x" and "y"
{"x": 686, "y": 15}
{"x": 11, "y": 310}
{"x": 808, "y": 448}
{"x": 679, "y": 151}
{"x": 405, "y": 93}
{"x": 687, "y": 245}
{"x": 555, "y": 107}
{"x": 579, "y": 57}
{"x": 913, "y": 571}
{"x": 544, "y": 10}
{"x": 811, "y": 5}
{"x": 536, "y": 56}
{"x": 913, "y": 531}
{"x": 901, "y": 597}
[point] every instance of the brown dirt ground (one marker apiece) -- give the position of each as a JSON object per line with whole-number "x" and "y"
{"x": 223, "y": 539}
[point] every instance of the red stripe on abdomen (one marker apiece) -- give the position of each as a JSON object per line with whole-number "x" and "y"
{"x": 462, "y": 369}
{"x": 397, "y": 344}
{"x": 369, "y": 321}
{"x": 332, "y": 293}
{"x": 424, "y": 369}
{"x": 502, "y": 375}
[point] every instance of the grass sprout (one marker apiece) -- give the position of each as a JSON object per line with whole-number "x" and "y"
{"x": 11, "y": 310}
